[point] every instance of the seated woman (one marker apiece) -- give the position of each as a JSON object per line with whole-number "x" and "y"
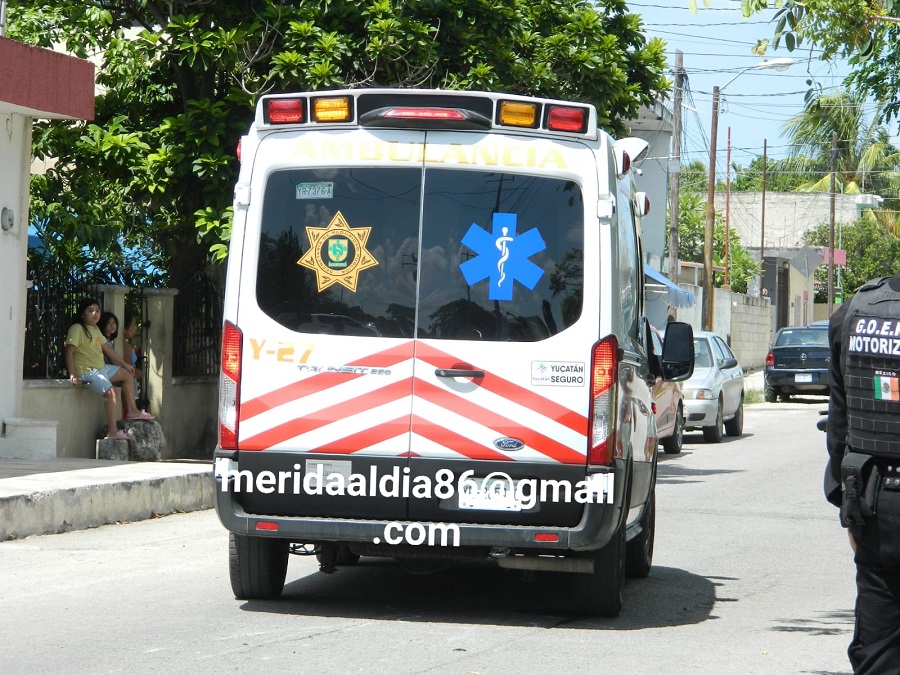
{"x": 85, "y": 352}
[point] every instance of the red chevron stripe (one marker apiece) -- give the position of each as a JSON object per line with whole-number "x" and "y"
{"x": 323, "y": 381}
{"x": 367, "y": 438}
{"x": 508, "y": 390}
{"x": 314, "y": 420}
{"x": 503, "y": 426}
{"x": 454, "y": 441}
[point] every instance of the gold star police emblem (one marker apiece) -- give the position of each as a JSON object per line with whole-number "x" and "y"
{"x": 337, "y": 253}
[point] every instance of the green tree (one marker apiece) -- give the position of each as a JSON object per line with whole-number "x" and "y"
{"x": 866, "y": 160}
{"x": 866, "y": 33}
{"x": 781, "y": 176}
{"x": 691, "y": 235}
{"x": 694, "y": 177}
{"x": 872, "y": 251}
{"x": 180, "y": 78}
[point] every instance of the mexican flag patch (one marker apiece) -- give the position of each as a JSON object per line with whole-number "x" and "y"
{"x": 887, "y": 388}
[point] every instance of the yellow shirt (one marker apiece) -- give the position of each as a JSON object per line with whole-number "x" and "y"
{"x": 88, "y": 353}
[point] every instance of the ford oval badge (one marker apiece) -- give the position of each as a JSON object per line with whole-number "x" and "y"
{"x": 508, "y": 444}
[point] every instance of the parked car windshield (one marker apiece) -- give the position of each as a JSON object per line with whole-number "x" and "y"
{"x": 702, "y": 358}
{"x": 806, "y": 337}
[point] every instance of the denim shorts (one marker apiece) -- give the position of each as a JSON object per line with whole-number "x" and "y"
{"x": 98, "y": 381}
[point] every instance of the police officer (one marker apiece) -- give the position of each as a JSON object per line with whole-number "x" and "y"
{"x": 863, "y": 474}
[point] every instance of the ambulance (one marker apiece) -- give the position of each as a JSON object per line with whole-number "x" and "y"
{"x": 435, "y": 346}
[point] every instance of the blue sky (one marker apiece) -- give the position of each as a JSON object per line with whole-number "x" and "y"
{"x": 716, "y": 42}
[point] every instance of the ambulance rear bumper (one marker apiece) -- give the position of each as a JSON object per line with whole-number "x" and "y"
{"x": 594, "y": 530}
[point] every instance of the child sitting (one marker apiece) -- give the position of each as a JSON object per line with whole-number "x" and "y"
{"x": 85, "y": 349}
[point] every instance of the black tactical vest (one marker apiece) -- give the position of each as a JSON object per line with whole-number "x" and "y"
{"x": 871, "y": 367}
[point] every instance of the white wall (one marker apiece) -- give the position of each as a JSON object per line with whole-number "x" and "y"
{"x": 15, "y": 150}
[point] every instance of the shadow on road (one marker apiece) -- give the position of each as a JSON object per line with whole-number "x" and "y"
{"x": 379, "y": 589}
{"x": 828, "y": 623}
{"x": 670, "y": 473}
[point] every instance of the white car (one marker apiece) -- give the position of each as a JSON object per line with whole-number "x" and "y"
{"x": 714, "y": 394}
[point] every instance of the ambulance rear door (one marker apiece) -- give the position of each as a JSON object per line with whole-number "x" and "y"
{"x": 507, "y": 315}
{"x": 327, "y": 311}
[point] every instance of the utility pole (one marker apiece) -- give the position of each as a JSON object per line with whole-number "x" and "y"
{"x": 831, "y": 225}
{"x": 727, "y": 284}
{"x": 675, "y": 166}
{"x": 710, "y": 217}
{"x": 762, "y": 227}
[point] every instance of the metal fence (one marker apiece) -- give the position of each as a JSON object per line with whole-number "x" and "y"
{"x": 51, "y": 303}
{"x": 53, "y": 298}
{"x": 198, "y": 327}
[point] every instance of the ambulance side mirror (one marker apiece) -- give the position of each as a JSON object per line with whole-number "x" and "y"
{"x": 678, "y": 352}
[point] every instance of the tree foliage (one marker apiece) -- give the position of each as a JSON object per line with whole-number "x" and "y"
{"x": 872, "y": 251}
{"x": 180, "y": 78}
{"x": 866, "y": 33}
{"x": 742, "y": 266}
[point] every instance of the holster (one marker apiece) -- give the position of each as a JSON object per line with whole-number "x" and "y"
{"x": 860, "y": 485}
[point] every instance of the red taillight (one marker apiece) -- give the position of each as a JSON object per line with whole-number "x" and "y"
{"x": 229, "y": 387}
{"x": 604, "y": 375}
{"x": 546, "y": 537}
{"x": 424, "y": 114}
{"x": 238, "y": 150}
{"x": 285, "y": 111}
{"x": 770, "y": 359}
{"x": 564, "y": 118}
{"x": 267, "y": 526}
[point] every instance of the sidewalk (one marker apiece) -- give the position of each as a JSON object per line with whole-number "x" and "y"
{"x": 59, "y": 495}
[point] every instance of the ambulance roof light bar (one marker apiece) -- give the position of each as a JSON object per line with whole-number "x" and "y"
{"x": 427, "y": 109}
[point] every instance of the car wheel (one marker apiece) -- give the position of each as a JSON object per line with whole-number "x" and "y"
{"x": 639, "y": 551}
{"x": 600, "y": 593}
{"x": 735, "y": 426}
{"x": 770, "y": 394}
{"x": 257, "y": 566}
{"x": 673, "y": 444}
{"x": 713, "y": 434}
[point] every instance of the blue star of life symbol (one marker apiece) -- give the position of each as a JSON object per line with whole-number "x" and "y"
{"x": 502, "y": 256}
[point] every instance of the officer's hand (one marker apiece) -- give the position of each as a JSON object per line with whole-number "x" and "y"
{"x": 852, "y": 541}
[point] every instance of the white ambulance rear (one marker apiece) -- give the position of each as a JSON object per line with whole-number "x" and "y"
{"x": 435, "y": 346}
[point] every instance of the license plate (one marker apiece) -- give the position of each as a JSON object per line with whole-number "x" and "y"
{"x": 315, "y": 190}
{"x": 803, "y": 377}
{"x": 489, "y": 495}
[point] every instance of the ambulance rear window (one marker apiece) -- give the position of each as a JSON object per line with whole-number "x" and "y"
{"x": 496, "y": 256}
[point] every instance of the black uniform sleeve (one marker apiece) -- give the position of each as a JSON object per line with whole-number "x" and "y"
{"x": 836, "y": 434}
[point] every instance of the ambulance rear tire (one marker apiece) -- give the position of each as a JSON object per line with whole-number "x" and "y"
{"x": 639, "y": 551}
{"x": 601, "y": 593}
{"x": 257, "y": 566}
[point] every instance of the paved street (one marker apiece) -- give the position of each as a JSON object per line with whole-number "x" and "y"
{"x": 753, "y": 575}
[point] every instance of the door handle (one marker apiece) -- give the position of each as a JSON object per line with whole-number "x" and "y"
{"x": 458, "y": 372}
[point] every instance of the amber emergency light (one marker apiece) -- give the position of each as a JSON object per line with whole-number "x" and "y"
{"x": 515, "y": 114}
{"x": 336, "y": 109}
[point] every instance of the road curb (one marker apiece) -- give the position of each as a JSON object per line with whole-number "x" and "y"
{"x": 75, "y": 500}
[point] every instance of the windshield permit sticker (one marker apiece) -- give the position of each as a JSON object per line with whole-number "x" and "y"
{"x": 502, "y": 257}
{"x": 315, "y": 190}
{"x": 557, "y": 373}
{"x": 337, "y": 253}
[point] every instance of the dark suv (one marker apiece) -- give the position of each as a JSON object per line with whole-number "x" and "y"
{"x": 798, "y": 363}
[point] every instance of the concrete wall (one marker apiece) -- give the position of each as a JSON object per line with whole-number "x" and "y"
{"x": 788, "y": 215}
{"x": 186, "y": 408}
{"x": 750, "y": 330}
{"x": 744, "y": 321}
